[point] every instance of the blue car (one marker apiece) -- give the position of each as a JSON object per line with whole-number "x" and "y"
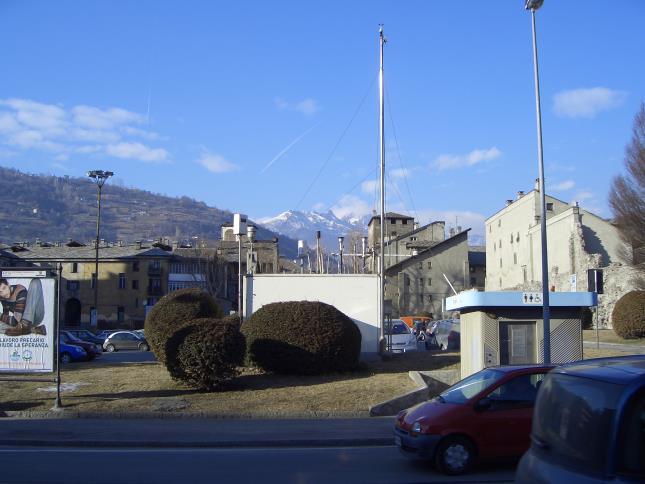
{"x": 589, "y": 424}
{"x": 68, "y": 353}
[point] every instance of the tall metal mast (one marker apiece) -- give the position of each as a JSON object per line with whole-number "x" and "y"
{"x": 382, "y": 151}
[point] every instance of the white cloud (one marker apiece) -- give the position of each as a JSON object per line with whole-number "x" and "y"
{"x": 351, "y": 206}
{"x": 400, "y": 173}
{"x": 583, "y": 195}
{"x": 563, "y": 186}
{"x": 586, "y": 103}
{"x": 450, "y": 161}
{"x": 216, "y": 163}
{"x": 31, "y": 125}
{"x": 369, "y": 186}
{"x": 95, "y": 118}
{"x": 137, "y": 151}
{"x": 465, "y": 220}
{"x": 307, "y": 106}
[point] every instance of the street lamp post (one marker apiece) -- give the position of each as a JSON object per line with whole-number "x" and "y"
{"x": 533, "y": 5}
{"x": 340, "y": 254}
{"x": 99, "y": 177}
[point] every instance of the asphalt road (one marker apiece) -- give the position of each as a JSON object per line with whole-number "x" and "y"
{"x": 239, "y": 466}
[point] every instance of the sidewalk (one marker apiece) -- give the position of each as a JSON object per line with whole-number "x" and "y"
{"x": 194, "y": 432}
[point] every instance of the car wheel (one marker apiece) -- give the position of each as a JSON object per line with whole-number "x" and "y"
{"x": 110, "y": 348}
{"x": 65, "y": 358}
{"x": 455, "y": 455}
{"x": 143, "y": 347}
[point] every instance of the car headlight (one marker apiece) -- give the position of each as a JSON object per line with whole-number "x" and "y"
{"x": 416, "y": 427}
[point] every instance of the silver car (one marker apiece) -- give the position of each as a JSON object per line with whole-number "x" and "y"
{"x": 125, "y": 340}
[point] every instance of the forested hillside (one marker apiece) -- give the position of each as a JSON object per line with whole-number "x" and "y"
{"x": 55, "y": 209}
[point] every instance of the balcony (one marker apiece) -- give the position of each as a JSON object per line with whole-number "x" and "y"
{"x": 155, "y": 271}
{"x": 155, "y": 291}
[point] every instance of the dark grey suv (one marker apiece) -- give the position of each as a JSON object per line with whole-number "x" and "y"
{"x": 589, "y": 424}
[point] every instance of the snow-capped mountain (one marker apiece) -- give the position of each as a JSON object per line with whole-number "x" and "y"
{"x": 303, "y": 225}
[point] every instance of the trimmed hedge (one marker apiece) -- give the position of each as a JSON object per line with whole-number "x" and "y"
{"x": 586, "y": 318}
{"x": 302, "y": 337}
{"x": 174, "y": 311}
{"x": 205, "y": 353}
{"x": 628, "y": 317}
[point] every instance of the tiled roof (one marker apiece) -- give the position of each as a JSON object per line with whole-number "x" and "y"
{"x": 86, "y": 252}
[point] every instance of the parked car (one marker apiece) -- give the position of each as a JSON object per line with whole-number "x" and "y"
{"x": 92, "y": 350}
{"x": 87, "y": 335}
{"x": 445, "y": 334}
{"x": 589, "y": 424}
{"x": 484, "y": 416}
{"x": 413, "y": 321}
{"x": 402, "y": 337}
{"x": 68, "y": 353}
{"x": 125, "y": 340}
{"x": 106, "y": 332}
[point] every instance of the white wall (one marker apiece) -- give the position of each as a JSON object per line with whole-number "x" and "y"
{"x": 356, "y": 295}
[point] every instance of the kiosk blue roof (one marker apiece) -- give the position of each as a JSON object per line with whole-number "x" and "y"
{"x": 491, "y": 299}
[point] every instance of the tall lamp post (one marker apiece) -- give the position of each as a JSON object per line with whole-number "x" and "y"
{"x": 533, "y": 6}
{"x": 99, "y": 177}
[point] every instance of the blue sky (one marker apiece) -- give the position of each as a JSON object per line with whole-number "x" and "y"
{"x": 242, "y": 104}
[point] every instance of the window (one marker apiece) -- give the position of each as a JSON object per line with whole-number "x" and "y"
{"x": 421, "y": 298}
{"x": 72, "y": 285}
{"x": 407, "y": 281}
{"x": 421, "y": 281}
{"x": 500, "y": 262}
{"x": 120, "y": 314}
{"x": 73, "y": 267}
{"x": 135, "y": 284}
{"x": 155, "y": 283}
{"x": 500, "y": 243}
{"x": 494, "y": 246}
{"x": 135, "y": 266}
{"x": 499, "y": 222}
{"x": 473, "y": 281}
{"x": 93, "y": 282}
{"x": 121, "y": 280}
{"x": 155, "y": 264}
{"x": 429, "y": 264}
{"x": 549, "y": 207}
{"x": 404, "y": 222}
{"x": 413, "y": 239}
{"x": 515, "y": 258}
{"x": 393, "y": 221}
{"x": 511, "y": 238}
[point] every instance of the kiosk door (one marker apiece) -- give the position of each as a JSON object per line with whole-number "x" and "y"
{"x": 516, "y": 343}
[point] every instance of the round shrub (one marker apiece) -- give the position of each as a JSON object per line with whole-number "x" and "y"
{"x": 172, "y": 312}
{"x": 628, "y": 317}
{"x": 205, "y": 353}
{"x": 302, "y": 337}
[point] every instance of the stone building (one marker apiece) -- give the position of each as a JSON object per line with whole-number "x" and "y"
{"x": 131, "y": 278}
{"x": 578, "y": 241}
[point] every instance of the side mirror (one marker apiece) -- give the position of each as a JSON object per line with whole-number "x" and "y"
{"x": 483, "y": 404}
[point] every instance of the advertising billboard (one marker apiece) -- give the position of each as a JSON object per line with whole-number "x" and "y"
{"x": 27, "y": 322}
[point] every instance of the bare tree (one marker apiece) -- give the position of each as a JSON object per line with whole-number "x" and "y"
{"x": 627, "y": 197}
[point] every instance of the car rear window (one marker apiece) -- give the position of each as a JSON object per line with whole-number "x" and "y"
{"x": 573, "y": 418}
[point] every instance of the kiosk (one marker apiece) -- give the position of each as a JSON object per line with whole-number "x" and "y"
{"x": 505, "y": 328}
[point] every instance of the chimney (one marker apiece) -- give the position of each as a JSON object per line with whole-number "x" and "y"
{"x": 452, "y": 232}
{"x": 39, "y": 242}
{"x": 537, "y": 184}
{"x": 103, "y": 242}
{"x": 508, "y": 202}
{"x": 175, "y": 245}
{"x": 120, "y": 242}
{"x": 94, "y": 243}
{"x": 137, "y": 244}
{"x": 458, "y": 228}
{"x": 415, "y": 226}
{"x": 520, "y": 194}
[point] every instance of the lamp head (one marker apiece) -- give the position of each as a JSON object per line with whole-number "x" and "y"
{"x": 533, "y": 4}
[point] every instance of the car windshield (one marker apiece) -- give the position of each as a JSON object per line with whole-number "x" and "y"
{"x": 573, "y": 418}
{"x": 399, "y": 328}
{"x": 467, "y": 388}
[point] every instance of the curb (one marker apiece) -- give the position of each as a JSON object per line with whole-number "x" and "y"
{"x": 72, "y": 414}
{"x": 337, "y": 442}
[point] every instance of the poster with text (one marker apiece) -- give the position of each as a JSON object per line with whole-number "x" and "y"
{"x": 27, "y": 324}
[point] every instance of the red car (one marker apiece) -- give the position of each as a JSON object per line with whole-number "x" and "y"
{"x": 484, "y": 416}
